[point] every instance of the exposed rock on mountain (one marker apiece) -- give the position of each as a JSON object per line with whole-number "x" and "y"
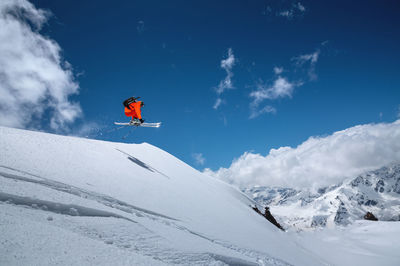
{"x": 370, "y": 216}
{"x": 268, "y": 215}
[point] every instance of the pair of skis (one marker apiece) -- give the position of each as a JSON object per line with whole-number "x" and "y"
{"x": 138, "y": 124}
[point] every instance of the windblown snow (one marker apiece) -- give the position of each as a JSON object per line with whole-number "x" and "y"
{"x": 74, "y": 201}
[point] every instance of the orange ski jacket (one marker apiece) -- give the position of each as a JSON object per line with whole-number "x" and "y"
{"x": 134, "y": 110}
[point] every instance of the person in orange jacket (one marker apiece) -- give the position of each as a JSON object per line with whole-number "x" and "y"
{"x": 132, "y": 109}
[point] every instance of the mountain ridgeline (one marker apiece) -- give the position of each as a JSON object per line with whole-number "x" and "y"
{"x": 376, "y": 192}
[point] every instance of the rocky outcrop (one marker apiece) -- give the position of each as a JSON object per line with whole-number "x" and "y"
{"x": 342, "y": 215}
{"x": 319, "y": 220}
{"x": 370, "y": 216}
{"x": 267, "y": 215}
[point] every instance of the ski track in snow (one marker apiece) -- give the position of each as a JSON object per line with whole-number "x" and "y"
{"x": 56, "y": 207}
{"x": 103, "y": 199}
{"x": 131, "y": 233}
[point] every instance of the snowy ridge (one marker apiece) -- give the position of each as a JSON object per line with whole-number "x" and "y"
{"x": 67, "y": 200}
{"x": 375, "y": 191}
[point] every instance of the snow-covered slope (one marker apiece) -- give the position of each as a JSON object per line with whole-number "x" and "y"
{"x": 67, "y": 200}
{"x": 375, "y": 191}
{"x": 360, "y": 243}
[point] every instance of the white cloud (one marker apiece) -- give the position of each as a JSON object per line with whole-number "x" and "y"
{"x": 140, "y": 26}
{"x": 300, "y": 6}
{"x": 227, "y": 64}
{"x": 199, "y": 158}
{"x": 286, "y": 13}
{"x": 225, "y": 84}
{"x": 319, "y": 161}
{"x": 217, "y": 103}
{"x": 266, "y": 10}
{"x": 267, "y": 109}
{"x": 309, "y": 61}
{"x": 280, "y": 88}
{"x": 312, "y": 58}
{"x": 35, "y": 82}
{"x": 295, "y": 9}
{"x": 278, "y": 70}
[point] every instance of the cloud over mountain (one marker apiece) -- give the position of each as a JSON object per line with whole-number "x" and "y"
{"x": 318, "y": 161}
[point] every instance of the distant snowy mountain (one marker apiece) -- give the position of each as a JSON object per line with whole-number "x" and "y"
{"x": 376, "y": 191}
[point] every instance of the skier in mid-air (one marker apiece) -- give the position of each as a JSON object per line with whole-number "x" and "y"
{"x": 132, "y": 109}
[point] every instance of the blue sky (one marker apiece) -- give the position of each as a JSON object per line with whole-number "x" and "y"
{"x": 338, "y": 63}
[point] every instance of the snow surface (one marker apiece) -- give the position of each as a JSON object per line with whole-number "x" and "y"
{"x": 364, "y": 243}
{"x": 73, "y": 201}
{"x": 67, "y": 200}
